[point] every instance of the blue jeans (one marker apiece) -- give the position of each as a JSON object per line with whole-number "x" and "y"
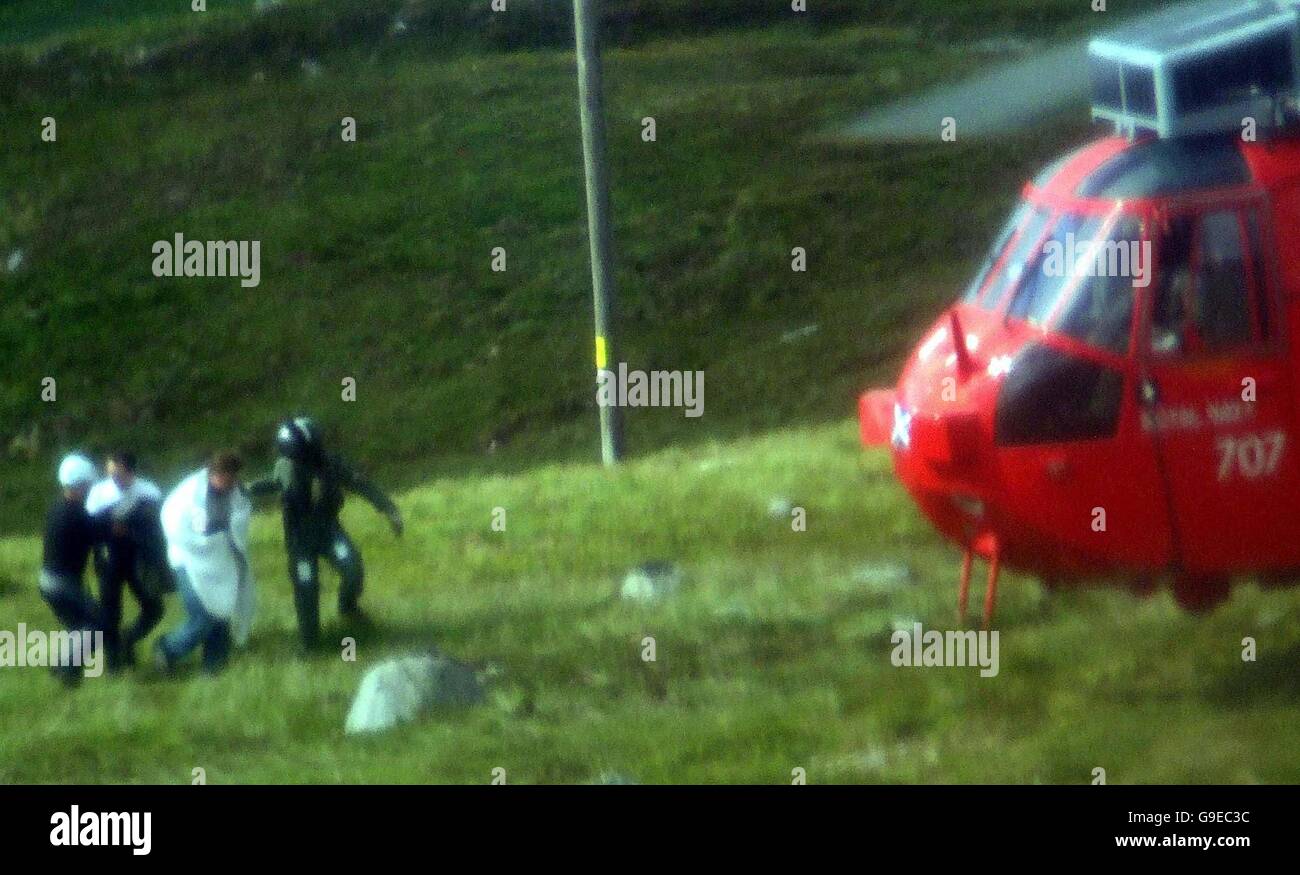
{"x": 75, "y": 608}
{"x": 199, "y": 627}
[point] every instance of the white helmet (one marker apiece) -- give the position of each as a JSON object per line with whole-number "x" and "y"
{"x": 76, "y": 470}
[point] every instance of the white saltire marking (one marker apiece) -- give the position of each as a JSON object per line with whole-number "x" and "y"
{"x": 901, "y": 435}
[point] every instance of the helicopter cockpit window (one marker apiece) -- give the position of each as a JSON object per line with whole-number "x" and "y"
{"x": 1053, "y": 270}
{"x": 1222, "y": 292}
{"x": 995, "y": 252}
{"x": 1081, "y": 283}
{"x": 1171, "y": 309}
{"x": 1203, "y": 300}
{"x": 1100, "y": 312}
{"x": 1010, "y": 254}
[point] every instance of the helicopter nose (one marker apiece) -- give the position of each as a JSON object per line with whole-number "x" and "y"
{"x": 876, "y": 417}
{"x": 941, "y": 439}
{"x": 942, "y": 456}
{"x": 944, "y": 442}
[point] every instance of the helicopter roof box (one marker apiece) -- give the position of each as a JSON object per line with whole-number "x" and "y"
{"x": 1197, "y": 70}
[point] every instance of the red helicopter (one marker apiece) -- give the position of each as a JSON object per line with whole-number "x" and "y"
{"x": 1113, "y": 399}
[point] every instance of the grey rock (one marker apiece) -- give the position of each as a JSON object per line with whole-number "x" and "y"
{"x": 402, "y": 689}
{"x": 651, "y": 582}
{"x": 616, "y": 778}
{"x": 780, "y": 508}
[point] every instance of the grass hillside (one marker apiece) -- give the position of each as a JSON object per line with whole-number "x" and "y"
{"x": 376, "y": 255}
{"x": 774, "y": 655}
{"x": 475, "y": 392}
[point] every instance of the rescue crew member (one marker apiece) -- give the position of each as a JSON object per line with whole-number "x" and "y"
{"x": 312, "y": 484}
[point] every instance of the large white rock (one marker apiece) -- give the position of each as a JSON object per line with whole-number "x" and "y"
{"x": 402, "y": 689}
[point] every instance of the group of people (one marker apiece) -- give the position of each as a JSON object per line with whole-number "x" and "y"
{"x": 195, "y": 542}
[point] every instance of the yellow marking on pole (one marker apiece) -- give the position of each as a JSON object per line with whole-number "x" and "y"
{"x": 600, "y": 353}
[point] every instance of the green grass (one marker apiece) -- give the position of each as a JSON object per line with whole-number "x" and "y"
{"x": 772, "y": 657}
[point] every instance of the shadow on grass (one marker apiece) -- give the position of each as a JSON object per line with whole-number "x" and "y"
{"x": 1271, "y": 676}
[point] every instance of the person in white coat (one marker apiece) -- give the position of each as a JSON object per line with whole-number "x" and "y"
{"x": 205, "y": 520}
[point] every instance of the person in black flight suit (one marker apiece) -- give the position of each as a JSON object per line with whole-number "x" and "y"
{"x": 312, "y": 484}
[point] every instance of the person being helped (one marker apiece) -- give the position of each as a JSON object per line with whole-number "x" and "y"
{"x": 205, "y": 520}
{"x": 312, "y": 484}
{"x": 70, "y": 536}
{"x": 131, "y": 506}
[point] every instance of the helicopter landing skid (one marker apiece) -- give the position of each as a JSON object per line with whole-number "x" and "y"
{"x": 987, "y": 546}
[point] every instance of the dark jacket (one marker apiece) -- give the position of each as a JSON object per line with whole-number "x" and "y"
{"x": 141, "y": 553}
{"x": 70, "y": 535}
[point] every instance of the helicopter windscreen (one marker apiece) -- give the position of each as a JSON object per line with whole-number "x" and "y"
{"x": 1007, "y": 258}
{"x": 1068, "y": 272}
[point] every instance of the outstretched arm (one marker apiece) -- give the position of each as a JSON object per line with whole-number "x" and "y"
{"x": 358, "y": 483}
{"x": 272, "y": 483}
